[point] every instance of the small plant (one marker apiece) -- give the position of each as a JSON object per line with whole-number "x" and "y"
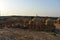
{"x": 54, "y": 34}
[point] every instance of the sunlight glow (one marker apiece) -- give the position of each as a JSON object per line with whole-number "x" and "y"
{"x": 2, "y": 6}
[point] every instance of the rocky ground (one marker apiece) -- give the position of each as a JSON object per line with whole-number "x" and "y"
{"x": 21, "y": 34}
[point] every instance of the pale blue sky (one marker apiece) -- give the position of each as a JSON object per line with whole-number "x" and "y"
{"x": 30, "y": 7}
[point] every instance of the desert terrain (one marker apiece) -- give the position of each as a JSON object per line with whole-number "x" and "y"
{"x": 29, "y": 28}
{"x": 20, "y": 34}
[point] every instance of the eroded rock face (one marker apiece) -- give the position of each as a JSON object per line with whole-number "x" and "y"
{"x": 50, "y": 25}
{"x": 36, "y": 24}
{"x": 58, "y": 20}
{"x": 30, "y": 23}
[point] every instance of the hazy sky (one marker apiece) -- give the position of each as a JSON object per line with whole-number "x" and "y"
{"x": 30, "y": 7}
